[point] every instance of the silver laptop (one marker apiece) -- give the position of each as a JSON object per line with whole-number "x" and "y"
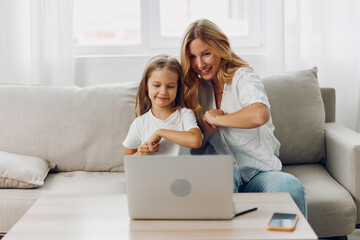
{"x": 180, "y": 187}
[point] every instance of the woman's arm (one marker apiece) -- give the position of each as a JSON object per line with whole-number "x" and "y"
{"x": 252, "y": 116}
{"x": 191, "y": 138}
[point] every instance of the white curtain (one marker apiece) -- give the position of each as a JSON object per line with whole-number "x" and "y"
{"x": 326, "y": 33}
{"x": 36, "y": 43}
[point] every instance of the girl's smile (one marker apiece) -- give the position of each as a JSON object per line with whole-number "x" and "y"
{"x": 162, "y": 98}
{"x": 162, "y": 88}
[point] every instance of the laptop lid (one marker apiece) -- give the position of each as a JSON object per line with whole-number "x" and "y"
{"x": 180, "y": 187}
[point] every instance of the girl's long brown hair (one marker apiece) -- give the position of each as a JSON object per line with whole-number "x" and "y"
{"x": 218, "y": 43}
{"x": 159, "y": 62}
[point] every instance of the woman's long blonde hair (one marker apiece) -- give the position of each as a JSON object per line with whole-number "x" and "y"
{"x": 159, "y": 62}
{"x": 219, "y": 44}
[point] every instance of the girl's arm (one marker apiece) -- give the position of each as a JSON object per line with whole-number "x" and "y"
{"x": 191, "y": 138}
{"x": 141, "y": 150}
{"x": 129, "y": 151}
{"x": 252, "y": 116}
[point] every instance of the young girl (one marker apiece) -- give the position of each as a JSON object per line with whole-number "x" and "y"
{"x": 162, "y": 124}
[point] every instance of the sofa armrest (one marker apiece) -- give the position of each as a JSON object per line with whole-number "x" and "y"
{"x": 343, "y": 158}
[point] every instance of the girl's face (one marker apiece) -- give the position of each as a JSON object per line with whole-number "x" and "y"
{"x": 203, "y": 61}
{"x": 162, "y": 87}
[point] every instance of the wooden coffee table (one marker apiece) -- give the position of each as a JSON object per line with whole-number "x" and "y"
{"x": 106, "y": 217}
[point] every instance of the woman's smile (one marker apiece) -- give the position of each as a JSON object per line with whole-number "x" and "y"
{"x": 206, "y": 71}
{"x": 202, "y": 60}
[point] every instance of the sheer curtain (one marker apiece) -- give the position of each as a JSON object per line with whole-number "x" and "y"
{"x": 326, "y": 33}
{"x": 36, "y": 43}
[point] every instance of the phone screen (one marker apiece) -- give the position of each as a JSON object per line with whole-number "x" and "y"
{"x": 283, "y": 220}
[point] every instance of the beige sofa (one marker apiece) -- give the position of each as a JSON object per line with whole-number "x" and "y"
{"x": 81, "y": 131}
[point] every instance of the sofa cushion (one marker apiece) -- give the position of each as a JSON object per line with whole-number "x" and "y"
{"x": 331, "y": 209}
{"x": 75, "y": 128}
{"x": 298, "y": 114}
{"x": 19, "y": 171}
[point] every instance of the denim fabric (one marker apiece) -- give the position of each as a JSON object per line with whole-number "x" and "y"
{"x": 236, "y": 179}
{"x": 275, "y": 181}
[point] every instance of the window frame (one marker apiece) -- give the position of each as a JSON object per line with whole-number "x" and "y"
{"x": 151, "y": 41}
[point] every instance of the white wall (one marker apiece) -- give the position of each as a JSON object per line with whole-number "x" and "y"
{"x": 111, "y": 69}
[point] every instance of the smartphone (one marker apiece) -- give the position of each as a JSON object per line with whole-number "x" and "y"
{"x": 283, "y": 222}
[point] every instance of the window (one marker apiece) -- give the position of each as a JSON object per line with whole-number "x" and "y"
{"x": 107, "y": 22}
{"x": 146, "y": 26}
{"x": 231, "y": 16}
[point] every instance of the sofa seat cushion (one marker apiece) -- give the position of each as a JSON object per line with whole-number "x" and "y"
{"x": 15, "y": 202}
{"x": 331, "y": 209}
{"x": 298, "y": 114}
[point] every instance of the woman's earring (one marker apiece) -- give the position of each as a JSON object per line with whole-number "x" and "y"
{"x": 199, "y": 76}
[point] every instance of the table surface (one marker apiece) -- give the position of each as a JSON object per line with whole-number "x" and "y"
{"x": 106, "y": 217}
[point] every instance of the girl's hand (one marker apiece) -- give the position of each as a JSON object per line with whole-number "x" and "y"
{"x": 210, "y": 117}
{"x": 153, "y": 142}
{"x": 143, "y": 149}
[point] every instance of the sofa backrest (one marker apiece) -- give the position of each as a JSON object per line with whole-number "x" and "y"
{"x": 298, "y": 114}
{"x": 83, "y": 128}
{"x": 76, "y": 128}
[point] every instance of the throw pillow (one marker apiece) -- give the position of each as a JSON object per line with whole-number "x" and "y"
{"x": 298, "y": 114}
{"x": 19, "y": 171}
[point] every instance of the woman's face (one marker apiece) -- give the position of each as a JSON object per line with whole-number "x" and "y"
{"x": 203, "y": 61}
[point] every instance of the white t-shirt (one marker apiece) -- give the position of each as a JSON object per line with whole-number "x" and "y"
{"x": 145, "y": 125}
{"x": 254, "y": 149}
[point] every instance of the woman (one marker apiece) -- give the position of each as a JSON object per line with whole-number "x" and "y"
{"x": 235, "y": 111}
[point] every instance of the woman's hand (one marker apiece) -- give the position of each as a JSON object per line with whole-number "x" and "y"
{"x": 211, "y": 115}
{"x": 208, "y": 117}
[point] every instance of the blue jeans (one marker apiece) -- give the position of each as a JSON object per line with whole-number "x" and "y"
{"x": 274, "y": 181}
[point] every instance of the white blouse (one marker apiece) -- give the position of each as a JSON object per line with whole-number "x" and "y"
{"x": 254, "y": 149}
